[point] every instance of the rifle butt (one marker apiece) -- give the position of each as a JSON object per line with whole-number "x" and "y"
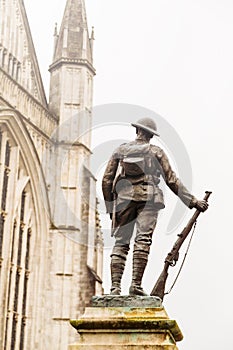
{"x": 159, "y": 287}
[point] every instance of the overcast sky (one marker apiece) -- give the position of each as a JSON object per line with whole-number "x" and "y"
{"x": 174, "y": 58}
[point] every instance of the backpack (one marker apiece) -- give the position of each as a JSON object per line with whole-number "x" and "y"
{"x": 136, "y": 159}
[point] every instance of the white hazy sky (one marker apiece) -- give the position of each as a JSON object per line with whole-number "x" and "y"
{"x": 175, "y": 58}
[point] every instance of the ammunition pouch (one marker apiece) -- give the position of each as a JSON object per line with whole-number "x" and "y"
{"x": 133, "y": 166}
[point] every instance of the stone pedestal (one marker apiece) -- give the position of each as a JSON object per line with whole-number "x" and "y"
{"x": 126, "y": 323}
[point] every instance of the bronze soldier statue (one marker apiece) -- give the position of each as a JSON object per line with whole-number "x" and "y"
{"x": 132, "y": 197}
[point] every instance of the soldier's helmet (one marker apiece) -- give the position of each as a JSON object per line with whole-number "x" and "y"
{"x": 146, "y": 124}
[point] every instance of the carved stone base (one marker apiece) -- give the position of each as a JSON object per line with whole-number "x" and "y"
{"x": 126, "y": 327}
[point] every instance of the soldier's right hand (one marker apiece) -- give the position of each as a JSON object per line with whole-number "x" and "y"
{"x": 202, "y": 205}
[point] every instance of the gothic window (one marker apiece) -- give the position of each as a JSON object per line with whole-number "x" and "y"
{"x": 13, "y": 70}
{"x": 17, "y": 224}
{"x": 25, "y": 288}
{"x": 4, "y": 193}
{"x": 4, "y": 58}
{"x": 1, "y": 218}
{"x": 9, "y": 63}
{"x": 9, "y": 282}
{"x": 18, "y": 275}
{"x": 18, "y": 72}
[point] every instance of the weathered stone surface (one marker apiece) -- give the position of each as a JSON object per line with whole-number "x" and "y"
{"x": 126, "y": 328}
{"x": 124, "y": 347}
{"x": 126, "y": 301}
{"x": 60, "y": 240}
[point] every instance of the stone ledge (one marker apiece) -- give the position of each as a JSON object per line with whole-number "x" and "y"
{"x": 133, "y": 325}
{"x": 122, "y": 347}
{"x": 127, "y": 301}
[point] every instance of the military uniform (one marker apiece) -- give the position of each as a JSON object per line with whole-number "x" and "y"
{"x": 133, "y": 197}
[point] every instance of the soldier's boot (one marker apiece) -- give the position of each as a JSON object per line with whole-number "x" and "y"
{"x": 117, "y": 269}
{"x": 139, "y": 265}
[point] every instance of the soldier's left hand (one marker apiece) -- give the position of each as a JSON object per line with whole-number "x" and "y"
{"x": 201, "y": 205}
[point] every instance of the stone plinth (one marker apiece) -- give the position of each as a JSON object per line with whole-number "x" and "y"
{"x": 126, "y": 327}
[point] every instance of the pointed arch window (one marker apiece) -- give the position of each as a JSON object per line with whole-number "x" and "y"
{"x": 18, "y": 70}
{"x": 18, "y": 277}
{"x": 4, "y": 58}
{"x": 17, "y": 224}
{"x": 6, "y": 171}
{"x": 25, "y": 289}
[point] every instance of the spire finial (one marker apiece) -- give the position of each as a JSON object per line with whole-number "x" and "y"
{"x": 92, "y": 39}
{"x": 55, "y": 30}
{"x": 55, "y": 35}
{"x": 93, "y": 33}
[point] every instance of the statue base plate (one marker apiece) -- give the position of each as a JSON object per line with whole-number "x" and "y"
{"x": 126, "y": 301}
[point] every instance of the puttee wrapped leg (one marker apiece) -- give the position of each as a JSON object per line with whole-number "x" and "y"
{"x": 140, "y": 259}
{"x": 118, "y": 259}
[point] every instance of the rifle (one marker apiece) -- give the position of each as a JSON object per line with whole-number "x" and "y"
{"x": 173, "y": 256}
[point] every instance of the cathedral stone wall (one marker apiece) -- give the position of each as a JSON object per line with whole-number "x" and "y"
{"x": 51, "y": 243}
